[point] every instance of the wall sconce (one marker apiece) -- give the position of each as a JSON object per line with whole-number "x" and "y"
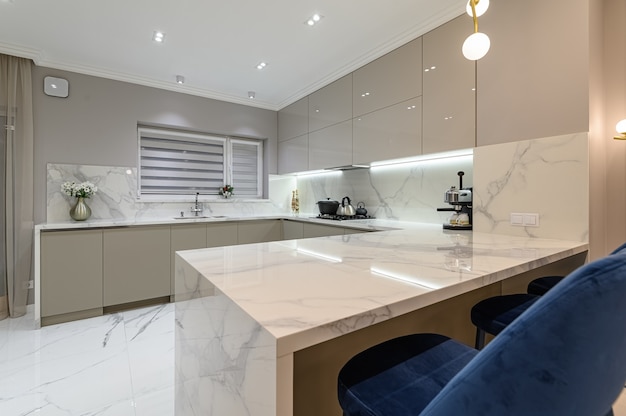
{"x": 477, "y": 44}
{"x": 620, "y": 127}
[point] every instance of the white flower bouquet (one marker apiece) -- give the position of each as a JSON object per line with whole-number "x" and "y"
{"x": 80, "y": 190}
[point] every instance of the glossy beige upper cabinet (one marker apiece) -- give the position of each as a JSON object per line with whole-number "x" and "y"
{"x": 391, "y": 133}
{"x": 390, "y": 79}
{"x": 540, "y": 77}
{"x": 293, "y": 120}
{"x": 449, "y": 89}
{"x": 331, "y": 147}
{"x": 331, "y": 104}
{"x": 293, "y": 155}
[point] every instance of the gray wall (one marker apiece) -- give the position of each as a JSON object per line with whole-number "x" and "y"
{"x": 97, "y": 123}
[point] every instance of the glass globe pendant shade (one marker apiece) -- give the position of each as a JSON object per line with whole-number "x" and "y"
{"x": 476, "y": 46}
{"x": 620, "y": 127}
{"x": 481, "y": 7}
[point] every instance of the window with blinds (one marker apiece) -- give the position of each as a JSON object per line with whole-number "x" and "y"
{"x": 180, "y": 163}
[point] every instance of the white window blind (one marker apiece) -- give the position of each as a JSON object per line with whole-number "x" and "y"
{"x": 246, "y": 161}
{"x": 181, "y": 163}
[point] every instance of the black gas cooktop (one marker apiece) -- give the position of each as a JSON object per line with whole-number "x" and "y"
{"x": 344, "y": 217}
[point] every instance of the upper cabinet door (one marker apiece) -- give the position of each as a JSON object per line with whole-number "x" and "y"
{"x": 391, "y": 133}
{"x": 293, "y": 155}
{"x": 331, "y": 104}
{"x": 331, "y": 147}
{"x": 449, "y": 89}
{"x": 390, "y": 79}
{"x": 293, "y": 120}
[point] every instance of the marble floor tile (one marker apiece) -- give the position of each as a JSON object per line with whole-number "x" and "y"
{"x": 114, "y": 365}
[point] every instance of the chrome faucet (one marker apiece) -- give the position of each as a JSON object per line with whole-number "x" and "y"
{"x": 196, "y": 209}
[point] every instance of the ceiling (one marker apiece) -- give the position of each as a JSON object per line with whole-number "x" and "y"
{"x": 216, "y": 45}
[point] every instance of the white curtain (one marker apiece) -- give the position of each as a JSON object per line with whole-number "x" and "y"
{"x": 16, "y": 184}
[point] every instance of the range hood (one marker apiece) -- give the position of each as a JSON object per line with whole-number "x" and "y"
{"x": 349, "y": 167}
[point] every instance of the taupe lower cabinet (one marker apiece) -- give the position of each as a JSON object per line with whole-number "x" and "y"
{"x": 319, "y": 230}
{"x": 136, "y": 264}
{"x": 259, "y": 231}
{"x": 84, "y": 273}
{"x": 293, "y": 230}
{"x": 71, "y": 274}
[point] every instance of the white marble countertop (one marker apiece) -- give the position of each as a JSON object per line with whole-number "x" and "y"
{"x": 371, "y": 224}
{"x": 307, "y": 291}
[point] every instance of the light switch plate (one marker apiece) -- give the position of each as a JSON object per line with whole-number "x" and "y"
{"x": 517, "y": 218}
{"x": 524, "y": 219}
{"x": 56, "y": 87}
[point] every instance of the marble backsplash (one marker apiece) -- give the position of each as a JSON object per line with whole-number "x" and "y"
{"x": 116, "y": 197}
{"x": 548, "y": 176}
{"x": 406, "y": 192}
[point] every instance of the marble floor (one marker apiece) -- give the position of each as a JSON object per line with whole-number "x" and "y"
{"x": 114, "y": 365}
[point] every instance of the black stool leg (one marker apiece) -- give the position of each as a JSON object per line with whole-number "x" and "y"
{"x": 480, "y": 339}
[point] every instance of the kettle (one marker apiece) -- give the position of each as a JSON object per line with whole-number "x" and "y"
{"x": 360, "y": 209}
{"x": 344, "y": 209}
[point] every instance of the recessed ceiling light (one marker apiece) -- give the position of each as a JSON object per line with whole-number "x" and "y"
{"x": 180, "y": 79}
{"x": 158, "y": 36}
{"x": 313, "y": 20}
{"x": 261, "y": 65}
{"x": 251, "y": 95}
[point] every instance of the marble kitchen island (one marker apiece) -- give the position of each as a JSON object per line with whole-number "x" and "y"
{"x": 262, "y": 329}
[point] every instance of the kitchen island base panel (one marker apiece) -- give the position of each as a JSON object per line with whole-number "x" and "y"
{"x": 226, "y": 362}
{"x": 316, "y": 368}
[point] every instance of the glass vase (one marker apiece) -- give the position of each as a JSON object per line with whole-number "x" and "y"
{"x": 80, "y": 211}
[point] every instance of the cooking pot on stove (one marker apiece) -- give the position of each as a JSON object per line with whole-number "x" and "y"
{"x": 360, "y": 209}
{"x": 345, "y": 209}
{"x": 328, "y": 207}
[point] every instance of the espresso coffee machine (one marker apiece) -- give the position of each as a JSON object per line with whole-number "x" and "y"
{"x": 461, "y": 201}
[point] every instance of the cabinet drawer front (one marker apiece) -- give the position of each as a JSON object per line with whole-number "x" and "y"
{"x": 259, "y": 231}
{"x": 136, "y": 264}
{"x": 71, "y": 271}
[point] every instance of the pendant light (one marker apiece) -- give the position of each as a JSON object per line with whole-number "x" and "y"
{"x": 477, "y": 44}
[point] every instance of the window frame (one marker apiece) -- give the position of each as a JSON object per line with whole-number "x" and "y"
{"x": 174, "y": 134}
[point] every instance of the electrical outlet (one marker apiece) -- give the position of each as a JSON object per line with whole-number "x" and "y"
{"x": 31, "y": 284}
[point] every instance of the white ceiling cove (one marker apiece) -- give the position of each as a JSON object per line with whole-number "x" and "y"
{"x": 216, "y": 45}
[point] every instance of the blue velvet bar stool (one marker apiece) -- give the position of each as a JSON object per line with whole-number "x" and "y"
{"x": 541, "y": 285}
{"x": 563, "y": 356}
{"x": 492, "y": 315}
